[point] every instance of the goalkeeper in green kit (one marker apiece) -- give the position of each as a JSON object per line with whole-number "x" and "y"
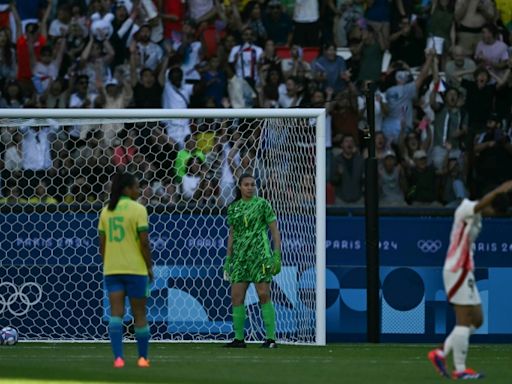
{"x": 250, "y": 258}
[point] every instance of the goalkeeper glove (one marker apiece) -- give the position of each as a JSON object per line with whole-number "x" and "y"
{"x": 276, "y": 262}
{"x": 227, "y": 268}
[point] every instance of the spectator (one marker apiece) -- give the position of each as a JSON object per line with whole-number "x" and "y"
{"x": 370, "y": 51}
{"x": 59, "y": 27}
{"x": 349, "y": 14}
{"x": 392, "y": 182}
{"x": 408, "y": 43}
{"x": 378, "y": 15}
{"x": 348, "y": 174}
{"x": 201, "y": 11}
{"x": 278, "y": 24}
{"x": 441, "y": 26}
{"x": 305, "y": 17}
{"x": 381, "y": 147}
{"x": 453, "y": 190}
{"x": 172, "y": 13}
{"x": 345, "y": 117}
{"x": 95, "y": 62}
{"x": 124, "y": 28}
{"x": 296, "y": 63}
{"x": 190, "y": 51}
{"x": 290, "y": 95}
{"x": 493, "y": 151}
{"x": 12, "y": 96}
{"x": 422, "y": 181}
{"x": 57, "y": 94}
{"x": 214, "y": 82}
{"x": 13, "y": 156}
{"x": 47, "y": 68}
{"x": 245, "y": 58}
{"x": 117, "y": 95}
{"x": 269, "y": 91}
{"x": 177, "y": 95}
{"x": 36, "y": 36}
{"x": 269, "y": 59}
{"x": 471, "y": 16}
{"x": 37, "y": 154}
{"x": 253, "y": 17}
{"x": 8, "y": 65}
{"x": 331, "y": 70}
{"x": 409, "y": 144}
{"x": 124, "y": 153}
{"x": 83, "y": 96}
{"x": 190, "y": 182}
{"x": 480, "y": 96}
{"x": 400, "y": 98}
{"x": 460, "y": 67}
{"x": 450, "y": 126}
{"x": 491, "y": 52}
{"x": 240, "y": 92}
{"x": 190, "y": 151}
{"x": 149, "y": 53}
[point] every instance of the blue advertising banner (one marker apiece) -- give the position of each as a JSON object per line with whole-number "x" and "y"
{"x": 51, "y": 283}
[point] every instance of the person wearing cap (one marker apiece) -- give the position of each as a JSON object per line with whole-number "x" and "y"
{"x": 400, "y": 99}
{"x": 392, "y": 182}
{"x": 493, "y": 152}
{"x": 422, "y": 181}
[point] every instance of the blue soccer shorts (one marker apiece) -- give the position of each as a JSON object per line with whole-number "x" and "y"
{"x": 134, "y": 286}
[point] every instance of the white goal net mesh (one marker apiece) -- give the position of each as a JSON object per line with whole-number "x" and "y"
{"x": 55, "y": 178}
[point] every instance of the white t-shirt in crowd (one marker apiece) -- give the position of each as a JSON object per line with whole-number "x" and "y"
{"x": 43, "y": 74}
{"x": 36, "y": 146}
{"x": 199, "y": 8}
{"x": 150, "y": 55}
{"x": 246, "y": 58}
{"x": 306, "y": 11}
{"x": 191, "y": 59}
{"x": 189, "y": 185}
{"x": 466, "y": 227}
{"x": 58, "y": 28}
{"x": 177, "y": 98}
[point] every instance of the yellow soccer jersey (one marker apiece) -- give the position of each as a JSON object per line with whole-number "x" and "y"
{"x": 121, "y": 228}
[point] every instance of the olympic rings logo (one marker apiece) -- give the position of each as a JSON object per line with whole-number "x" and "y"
{"x": 27, "y": 295}
{"x": 429, "y": 246}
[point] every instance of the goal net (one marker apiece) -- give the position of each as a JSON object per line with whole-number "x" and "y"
{"x": 55, "y": 178}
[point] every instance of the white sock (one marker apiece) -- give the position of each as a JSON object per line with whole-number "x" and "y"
{"x": 472, "y": 329}
{"x": 448, "y": 344}
{"x": 460, "y": 344}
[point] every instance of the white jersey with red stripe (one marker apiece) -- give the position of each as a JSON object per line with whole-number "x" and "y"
{"x": 466, "y": 228}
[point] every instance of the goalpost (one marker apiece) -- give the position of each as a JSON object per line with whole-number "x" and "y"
{"x": 55, "y": 178}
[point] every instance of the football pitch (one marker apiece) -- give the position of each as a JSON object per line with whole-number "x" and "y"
{"x": 209, "y": 363}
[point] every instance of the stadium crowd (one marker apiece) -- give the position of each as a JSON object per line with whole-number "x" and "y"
{"x": 443, "y": 103}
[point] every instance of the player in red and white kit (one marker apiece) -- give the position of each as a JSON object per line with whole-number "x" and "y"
{"x": 459, "y": 280}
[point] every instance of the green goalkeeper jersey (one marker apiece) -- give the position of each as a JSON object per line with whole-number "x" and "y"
{"x": 251, "y": 247}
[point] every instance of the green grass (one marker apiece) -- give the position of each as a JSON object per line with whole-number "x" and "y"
{"x": 211, "y": 364}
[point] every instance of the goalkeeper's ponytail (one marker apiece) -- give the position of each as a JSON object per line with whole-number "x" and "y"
{"x": 238, "y": 191}
{"x": 120, "y": 181}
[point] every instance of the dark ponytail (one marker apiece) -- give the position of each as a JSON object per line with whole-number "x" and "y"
{"x": 238, "y": 191}
{"x": 120, "y": 181}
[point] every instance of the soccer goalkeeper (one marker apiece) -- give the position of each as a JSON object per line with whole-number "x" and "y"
{"x": 249, "y": 258}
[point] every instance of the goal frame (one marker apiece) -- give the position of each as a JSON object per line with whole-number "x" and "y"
{"x": 161, "y": 114}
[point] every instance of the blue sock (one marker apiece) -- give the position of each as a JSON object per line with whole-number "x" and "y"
{"x": 115, "y": 331}
{"x": 142, "y": 336}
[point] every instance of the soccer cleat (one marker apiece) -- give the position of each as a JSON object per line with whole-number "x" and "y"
{"x": 236, "y": 344}
{"x": 269, "y": 343}
{"x": 468, "y": 374}
{"x": 437, "y": 359}
{"x": 143, "y": 362}
{"x": 119, "y": 362}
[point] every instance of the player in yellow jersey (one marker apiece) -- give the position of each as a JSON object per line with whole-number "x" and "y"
{"x": 127, "y": 265}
